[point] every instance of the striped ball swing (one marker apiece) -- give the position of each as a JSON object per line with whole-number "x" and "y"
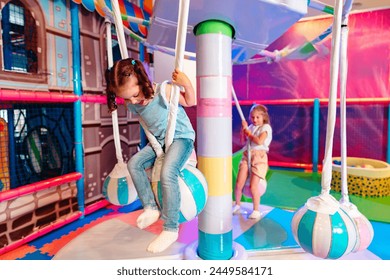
{"x": 323, "y": 226}
{"x": 118, "y": 186}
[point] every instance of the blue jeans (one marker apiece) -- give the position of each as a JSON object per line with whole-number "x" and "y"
{"x": 177, "y": 155}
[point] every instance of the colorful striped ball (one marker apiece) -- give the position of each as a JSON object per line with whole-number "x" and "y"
{"x": 262, "y": 187}
{"x": 193, "y": 161}
{"x": 322, "y": 228}
{"x": 365, "y": 232}
{"x": 118, "y": 187}
{"x": 193, "y": 191}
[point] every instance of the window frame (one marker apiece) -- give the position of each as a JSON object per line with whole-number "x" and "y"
{"x": 41, "y": 77}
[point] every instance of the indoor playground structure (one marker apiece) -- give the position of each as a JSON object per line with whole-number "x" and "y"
{"x": 66, "y": 193}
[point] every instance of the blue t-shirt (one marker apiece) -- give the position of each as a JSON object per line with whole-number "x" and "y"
{"x": 155, "y": 116}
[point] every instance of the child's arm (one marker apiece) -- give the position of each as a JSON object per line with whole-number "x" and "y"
{"x": 187, "y": 97}
{"x": 258, "y": 140}
{"x": 244, "y": 128}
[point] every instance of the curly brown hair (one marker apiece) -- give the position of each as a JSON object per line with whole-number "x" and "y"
{"x": 119, "y": 73}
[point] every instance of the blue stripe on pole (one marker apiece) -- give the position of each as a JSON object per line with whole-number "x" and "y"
{"x": 215, "y": 246}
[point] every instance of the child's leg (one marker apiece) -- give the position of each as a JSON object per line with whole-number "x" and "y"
{"x": 136, "y": 166}
{"x": 255, "y": 191}
{"x": 259, "y": 170}
{"x": 175, "y": 158}
{"x": 240, "y": 181}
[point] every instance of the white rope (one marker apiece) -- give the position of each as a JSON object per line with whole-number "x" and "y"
{"x": 331, "y": 119}
{"x": 248, "y": 142}
{"x": 237, "y": 104}
{"x": 114, "y": 114}
{"x": 120, "y": 32}
{"x": 343, "y": 80}
{"x": 152, "y": 140}
{"x": 343, "y": 98}
{"x": 181, "y": 35}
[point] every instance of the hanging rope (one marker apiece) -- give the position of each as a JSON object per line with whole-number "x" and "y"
{"x": 114, "y": 114}
{"x": 181, "y": 36}
{"x": 331, "y": 119}
{"x": 120, "y": 31}
{"x": 343, "y": 97}
{"x": 248, "y": 143}
{"x": 119, "y": 177}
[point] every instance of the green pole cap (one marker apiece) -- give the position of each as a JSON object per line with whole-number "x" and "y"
{"x": 214, "y": 26}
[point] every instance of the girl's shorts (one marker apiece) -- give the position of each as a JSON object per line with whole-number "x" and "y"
{"x": 259, "y": 162}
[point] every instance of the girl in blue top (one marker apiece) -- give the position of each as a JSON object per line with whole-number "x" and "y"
{"x": 128, "y": 79}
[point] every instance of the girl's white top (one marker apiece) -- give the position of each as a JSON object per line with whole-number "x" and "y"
{"x": 256, "y": 131}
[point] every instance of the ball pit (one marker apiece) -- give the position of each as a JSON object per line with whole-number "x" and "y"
{"x": 366, "y": 177}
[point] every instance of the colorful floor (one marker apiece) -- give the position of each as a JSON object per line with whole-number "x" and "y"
{"x": 110, "y": 233}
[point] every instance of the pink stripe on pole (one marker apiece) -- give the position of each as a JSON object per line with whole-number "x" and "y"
{"x": 215, "y": 103}
{"x": 310, "y": 101}
{"x": 214, "y": 107}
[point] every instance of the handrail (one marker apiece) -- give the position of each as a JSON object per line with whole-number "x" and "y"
{"x": 41, "y": 185}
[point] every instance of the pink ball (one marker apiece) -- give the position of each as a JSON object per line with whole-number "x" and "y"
{"x": 262, "y": 187}
{"x": 365, "y": 232}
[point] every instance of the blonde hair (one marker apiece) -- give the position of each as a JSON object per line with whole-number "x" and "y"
{"x": 263, "y": 110}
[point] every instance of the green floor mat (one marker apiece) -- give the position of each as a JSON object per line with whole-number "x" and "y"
{"x": 291, "y": 189}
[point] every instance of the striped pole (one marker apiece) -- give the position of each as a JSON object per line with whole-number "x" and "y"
{"x": 214, "y": 136}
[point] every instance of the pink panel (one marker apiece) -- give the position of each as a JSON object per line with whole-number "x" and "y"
{"x": 214, "y": 107}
